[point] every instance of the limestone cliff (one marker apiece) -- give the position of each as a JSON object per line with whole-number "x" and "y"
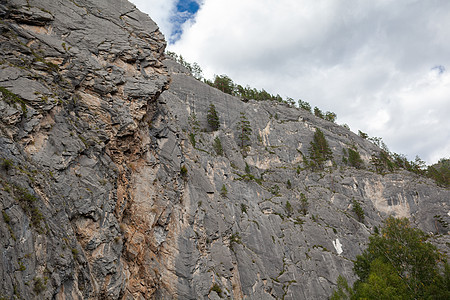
{"x": 110, "y": 189}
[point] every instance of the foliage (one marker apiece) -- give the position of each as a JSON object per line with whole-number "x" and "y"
{"x": 216, "y": 288}
{"x": 319, "y": 150}
{"x": 245, "y": 131}
{"x": 357, "y": 209}
{"x": 6, "y": 164}
{"x": 398, "y": 264}
{"x": 11, "y": 98}
{"x": 289, "y": 184}
{"x": 318, "y": 112}
{"x": 275, "y": 190}
{"x": 217, "y": 145}
{"x": 362, "y": 134}
{"x": 247, "y": 168}
{"x": 303, "y": 204}
{"x": 243, "y": 208}
{"x": 330, "y": 116}
{"x": 382, "y": 162}
{"x": 183, "y": 171}
{"x": 193, "y": 68}
{"x": 39, "y": 285}
{"x": 223, "y": 191}
{"x": 354, "y": 159}
{"x": 213, "y": 118}
{"x": 195, "y": 128}
{"x": 343, "y": 291}
{"x": 289, "y": 208}
{"x": 224, "y": 83}
{"x": 440, "y": 172}
{"x": 304, "y": 105}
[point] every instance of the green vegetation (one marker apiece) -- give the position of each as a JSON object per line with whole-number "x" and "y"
{"x": 216, "y": 288}
{"x": 440, "y": 172}
{"x": 304, "y": 105}
{"x": 289, "y": 184}
{"x": 7, "y": 164}
{"x": 303, "y": 204}
{"x": 223, "y": 191}
{"x": 243, "y": 208}
{"x": 275, "y": 190}
{"x": 28, "y": 202}
{"x": 244, "y": 132}
{"x": 319, "y": 151}
{"x": 226, "y": 85}
{"x": 183, "y": 172}
{"x": 39, "y": 285}
{"x": 194, "y": 68}
{"x": 213, "y": 118}
{"x": 357, "y": 209}
{"x": 217, "y": 145}
{"x": 289, "y": 208}
{"x": 11, "y": 98}
{"x": 353, "y": 158}
{"x": 195, "y": 128}
{"x": 399, "y": 263}
{"x": 6, "y": 217}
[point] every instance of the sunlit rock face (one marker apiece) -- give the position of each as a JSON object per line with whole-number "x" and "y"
{"x": 111, "y": 185}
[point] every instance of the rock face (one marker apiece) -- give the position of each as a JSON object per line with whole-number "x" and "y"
{"x": 112, "y": 185}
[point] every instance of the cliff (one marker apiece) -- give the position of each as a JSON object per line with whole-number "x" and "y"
{"x": 113, "y": 185}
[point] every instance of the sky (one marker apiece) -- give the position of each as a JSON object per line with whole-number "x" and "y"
{"x": 382, "y": 66}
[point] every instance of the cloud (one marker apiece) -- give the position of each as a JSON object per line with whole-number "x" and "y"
{"x": 170, "y": 15}
{"x": 380, "y": 65}
{"x": 161, "y": 11}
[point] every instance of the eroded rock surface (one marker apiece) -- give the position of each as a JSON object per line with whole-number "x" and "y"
{"x": 110, "y": 190}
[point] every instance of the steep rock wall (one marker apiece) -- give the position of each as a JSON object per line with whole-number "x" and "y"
{"x": 104, "y": 196}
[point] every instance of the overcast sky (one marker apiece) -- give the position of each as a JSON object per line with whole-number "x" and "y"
{"x": 382, "y": 66}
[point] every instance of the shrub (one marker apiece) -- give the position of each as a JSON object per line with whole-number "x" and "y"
{"x": 217, "y": 145}
{"x": 223, "y": 191}
{"x": 183, "y": 171}
{"x": 354, "y": 159}
{"x": 245, "y": 131}
{"x": 213, "y": 118}
{"x": 303, "y": 204}
{"x": 7, "y": 164}
{"x": 357, "y": 209}
{"x": 319, "y": 150}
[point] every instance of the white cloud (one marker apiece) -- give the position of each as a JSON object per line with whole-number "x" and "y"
{"x": 371, "y": 62}
{"x": 161, "y": 11}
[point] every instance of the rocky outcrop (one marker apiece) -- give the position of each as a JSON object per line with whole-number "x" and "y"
{"x": 113, "y": 186}
{"x": 79, "y": 82}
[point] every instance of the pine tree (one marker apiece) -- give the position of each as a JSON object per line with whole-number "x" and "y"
{"x": 319, "y": 151}
{"x": 244, "y": 131}
{"x": 213, "y": 118}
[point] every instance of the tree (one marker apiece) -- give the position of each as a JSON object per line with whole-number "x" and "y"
{"x": 303, "y": 204}
{"x": 318, "y": 112}
{"x": 400, "y": 262}
{"x": 357, "y": 209}
{"x": 330, "y": 116}
{"x": 245, "y": 131}
{"x": 363, "y": 134}
{"x": 440, "y": 172}
{"x": 217, "y": 145}
{"x": 304, "y": 105}
{"x": 354, "y": 158}
{"x": 213, "y": 118}
{"x": 319, "y": 151}
{"x": 224, "y": 83}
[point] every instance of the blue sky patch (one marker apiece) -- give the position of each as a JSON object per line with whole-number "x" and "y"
{"x": 186, "y": 10}
{"x": 439, "y": 68}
